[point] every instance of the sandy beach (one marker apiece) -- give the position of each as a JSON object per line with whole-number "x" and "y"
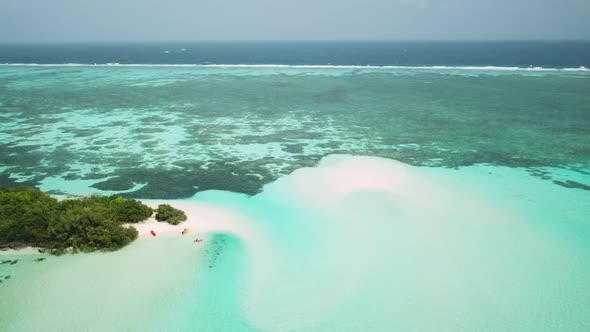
{"x": 202, "y": 218}
{"x": 313, "y": 245}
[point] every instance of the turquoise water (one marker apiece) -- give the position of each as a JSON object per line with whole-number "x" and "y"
{"x": 470, "y": 210}
{"x": 169, "y": 132}
{"x": 358, "y": 243}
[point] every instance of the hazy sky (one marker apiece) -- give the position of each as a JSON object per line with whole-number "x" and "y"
{"x": 103, "y": 20}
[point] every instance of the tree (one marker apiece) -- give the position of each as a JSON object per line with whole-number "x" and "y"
{"x": 167, "y": 213}
{"x": 28, "y": 217}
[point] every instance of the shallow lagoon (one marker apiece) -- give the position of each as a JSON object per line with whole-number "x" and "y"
{"x": 357, "y": 243}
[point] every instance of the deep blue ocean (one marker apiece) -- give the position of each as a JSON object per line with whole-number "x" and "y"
{"x": 554, "y": 54}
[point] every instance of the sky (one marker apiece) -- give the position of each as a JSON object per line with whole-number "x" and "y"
{"x": 151, "y": 20}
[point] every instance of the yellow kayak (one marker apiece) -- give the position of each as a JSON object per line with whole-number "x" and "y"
{"x": 185, "y": 232}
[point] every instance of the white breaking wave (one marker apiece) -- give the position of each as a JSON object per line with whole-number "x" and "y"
{"x": 279, "y": 66}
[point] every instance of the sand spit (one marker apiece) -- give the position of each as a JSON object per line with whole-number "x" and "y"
{"x": 355, "y": 244}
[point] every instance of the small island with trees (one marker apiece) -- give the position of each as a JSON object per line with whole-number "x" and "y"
{"x": 167, "y": 213}
{"x": 29, "y": 217}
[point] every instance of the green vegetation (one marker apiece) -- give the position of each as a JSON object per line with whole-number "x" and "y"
{"x": 166, "y": 213}
{"x": 28, "y": 217}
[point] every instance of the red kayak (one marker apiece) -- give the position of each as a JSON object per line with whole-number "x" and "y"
{"x": 198, "y": 240}
{"x": 153, "y": 233}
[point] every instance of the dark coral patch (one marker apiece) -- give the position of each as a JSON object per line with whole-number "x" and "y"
{"x": 294, "y": 148}
{"x": 83, "y": 132}
{"x": 572, "y": 184}
{"x": 117, "y": 183}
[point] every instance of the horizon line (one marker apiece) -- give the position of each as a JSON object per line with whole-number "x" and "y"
{"x": 286, "y": 40}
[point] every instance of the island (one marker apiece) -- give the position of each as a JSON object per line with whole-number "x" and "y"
{"x": 31, "y": 218}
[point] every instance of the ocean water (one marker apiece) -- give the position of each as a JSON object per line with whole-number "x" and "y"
{"x": 357, "y": 243}
{"x": 169, "y": 132}
{"x": 358, "y": 186}
{"x": 550, "y": 54}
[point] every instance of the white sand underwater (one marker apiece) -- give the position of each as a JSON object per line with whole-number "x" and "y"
{"x": 355, "y": 244}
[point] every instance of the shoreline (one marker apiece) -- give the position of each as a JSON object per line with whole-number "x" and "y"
{"x": 201, "y": 216}
{"x": 207, "y": 212}
{"x": 353, "y": 230}
{"x": 202, "y": 219}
